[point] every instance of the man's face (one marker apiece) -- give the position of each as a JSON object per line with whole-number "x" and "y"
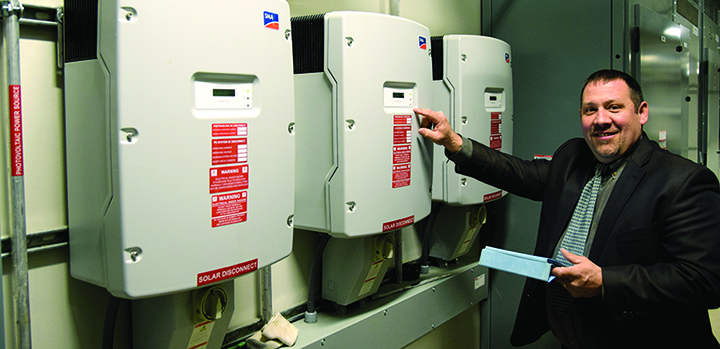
{"x": 610, "y": 122}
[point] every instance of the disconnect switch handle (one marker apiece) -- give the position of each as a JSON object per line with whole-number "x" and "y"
{"x": 210, "y": 303}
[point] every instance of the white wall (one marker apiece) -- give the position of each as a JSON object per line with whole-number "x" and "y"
{"x": 67, "y": 313}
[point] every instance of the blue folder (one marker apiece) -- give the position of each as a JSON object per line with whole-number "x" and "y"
{"x": 518, "y": 263}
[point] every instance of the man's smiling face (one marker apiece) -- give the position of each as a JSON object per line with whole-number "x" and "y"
{"x": 611, "y": 122}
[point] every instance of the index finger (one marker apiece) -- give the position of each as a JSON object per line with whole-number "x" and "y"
{"x": 432, "y": 115}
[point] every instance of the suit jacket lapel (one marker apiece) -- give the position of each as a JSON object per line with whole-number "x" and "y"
{"x": 628, "y": 181}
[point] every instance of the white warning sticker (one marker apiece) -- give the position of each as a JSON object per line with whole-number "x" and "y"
{"x": 480, "y": 281}
{"x": 201, "y": 335}
{"x": 371, "y": 277}
{"x": 468, "y": 238}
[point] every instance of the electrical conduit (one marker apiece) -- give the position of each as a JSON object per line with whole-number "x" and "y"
{"x": 11, "y": 13}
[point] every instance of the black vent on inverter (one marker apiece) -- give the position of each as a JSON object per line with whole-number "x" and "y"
{"x": 80, "y": 21}
{"x": 308, "y": 42}
{"x": 436, "y": 44}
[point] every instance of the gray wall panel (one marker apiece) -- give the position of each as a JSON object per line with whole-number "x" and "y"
{"x": 556, "y": 45}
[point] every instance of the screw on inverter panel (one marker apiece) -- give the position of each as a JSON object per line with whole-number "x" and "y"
{"x": 349, "y": 41}
{"x": 464, "y": 120}
{"x": 288, "y": 34}
{"x": 130, "y": 14}
{"x": 350, "y": 124}
{"x": 291, "y": 128}
{"x": 351, "y": 206}
{"x": 135, "y": 254}
{"x": 130, "y": 134}
{"x": 290, "y": 221}
{"x": 463, "y": 57}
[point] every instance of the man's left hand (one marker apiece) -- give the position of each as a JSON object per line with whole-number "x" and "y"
{"x": 583, "y": 279}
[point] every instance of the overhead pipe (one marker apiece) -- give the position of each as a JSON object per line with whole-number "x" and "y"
{"x": 11, "y": 31}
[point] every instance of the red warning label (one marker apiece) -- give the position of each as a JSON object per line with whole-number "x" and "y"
{"x": 402, "y": 119}
{"x": 496, "y": 130}
{"x": 226, "y": 273}
{"x": 492, "y": 196}
{"x": 397, "y": 224}
{"x": 229, "y": 151}
{"x": 229, "y": 130}
{"x": 495, "y": 123}
{"x": 231, "y": 178}
{"x": 227, "y": 204}
{"x": 402, "y": 153}
{"x": 402, "y": 134}
{"x": 401, "y": 175}
{"x": 16, "y": 141}
{"x": 402, "y": 150}
{"x": 495, "y": 127}
{"x": 496, "y": 142}
{"x": 229, "y": 208}
{"x": 227, "y": 220}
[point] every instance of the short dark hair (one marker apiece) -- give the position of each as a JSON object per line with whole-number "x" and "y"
{"x": 607, "y": 75}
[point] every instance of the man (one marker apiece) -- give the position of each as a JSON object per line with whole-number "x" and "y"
{"x": 648, "y": 267}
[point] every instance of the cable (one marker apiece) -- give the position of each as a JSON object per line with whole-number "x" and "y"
{"x": 424, "y": 265}
{"x": 311, "y": 314}
{"x": 108, "y": 338}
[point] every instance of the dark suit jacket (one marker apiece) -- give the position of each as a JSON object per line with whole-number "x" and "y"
{"x": 657, "y": 241}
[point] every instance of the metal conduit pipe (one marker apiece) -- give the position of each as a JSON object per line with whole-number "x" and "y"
{"x": 11, "y": 30}
{"x": 395, "y": 7}
{"x": 702, "y": 89}
{"x": 398, "y": 256}
{"x": 266, "y": 293}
